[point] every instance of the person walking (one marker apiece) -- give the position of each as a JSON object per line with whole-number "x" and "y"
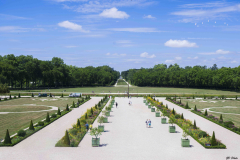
{"x": 149, "y": 123}
{"x": 116, "y": 104}
{"x": 86, "y": 126}
{"x": 146, "y": 123}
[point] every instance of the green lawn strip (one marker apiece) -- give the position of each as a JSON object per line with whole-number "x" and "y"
{"x": 22, "y": 108}
{"x": 76, "y": 134}
{"x": 234, "y": 129}
{"x": 184, "y": 121}
{"x": 237, "y": 131}
{"x": 185, "y": 92}
{"x": 17, "y": 139}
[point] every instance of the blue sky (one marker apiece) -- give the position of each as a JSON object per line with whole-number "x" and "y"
{"x": 123, "y": 34}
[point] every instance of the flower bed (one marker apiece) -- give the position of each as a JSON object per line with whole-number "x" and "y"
{"x": 78, "y": 131}
{"x": 196, "y": 133}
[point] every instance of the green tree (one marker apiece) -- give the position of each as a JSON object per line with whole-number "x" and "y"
{"x": 173, "y": 111}
{"x": 195, "y": 108}
{"x": 78, "y": 124}
{"x": 66, "y": 139}
{"x": 182, "y": 117}
{"x": 194, "y": 125}
{"x": 67, "y": 108}
{"x": 213, "y": 140}
{"x": 221, "y": 118}
{"x": 205, "y": 114}
{"x": 47, "y": 118}
{"x": 59, "y": 112}
{"x": 91, "y": 111}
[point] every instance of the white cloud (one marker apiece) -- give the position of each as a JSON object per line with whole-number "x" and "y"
{"x": 113, "y": 13}
{"x": 70, "y": 46}
{"x": 146, "y": 55}
{"x": 179, "y": 43}
{"x": 135, "y": 29}
{"x": 178, "y": 58}
{"x": 234, "y": 62}
{"x": 123, "y": 41}
{"x": 169, "y": 61}
{"x": 149, "y": 16}
{"x": 108, "y": 54}
{"x": 18, "y": 29}
{"x": 72, "y": 26}
{"x": 115, "y": 54}
{"x": 11, "y": 17}
{"x": 220, "y": 51}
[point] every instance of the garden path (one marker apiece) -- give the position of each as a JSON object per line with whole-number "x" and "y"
{"x": 126, "y": 138}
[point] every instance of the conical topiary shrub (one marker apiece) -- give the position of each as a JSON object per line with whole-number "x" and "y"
{"x": 213, "y": 140}
{"x": 67, "y": 108}
{"x": 31, "y": 127}
{"x": 180, "y": 101}
{"x": 173, "y": 111}
{"x": 195, "y": 108}
{"x": 221, "y": 117}
{"x": 166, "y": 106}
{"x": 66, "y": 139}
{"x": 10, "y": 97}
{"x": 182, "y": 117}
{"x": 19, "y": 96}
{"x": 50, "y": 95}
{"x": 32, "y": 95}
{"x": 7, "y": 139}
{"x": 73, "y": 105}
{"x": 59, "y": 112}
{"x": 86, "y": 116}
{"x": 186, "y": 106}
{"x": 78, "y": 124}
{"x": 205, "y": 114}
{"x": 96, "y": 106}
{"x": 62, "y": 95}
{"x": 47, "y": 118}
{"x": 194, "y": 125}
{"x": 92, "y": 111}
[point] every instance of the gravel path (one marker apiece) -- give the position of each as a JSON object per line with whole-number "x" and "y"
{"x": 126, "y": 138}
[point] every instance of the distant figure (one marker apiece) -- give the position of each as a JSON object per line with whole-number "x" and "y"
{"x": 149, "y": 123}
{"x": 146, "y": 123}
{"x": 116, "y": 104}
{"x": 86, "y": 126}
{"x": 129, "y": 103}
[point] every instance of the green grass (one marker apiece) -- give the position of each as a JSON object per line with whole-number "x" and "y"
{"x": 121, "y": 82}
{"x": 17, "y": 121}
{"x": 202, "y": 104}
{"x": 21, "y": 108}
{"x": 135, "y": 89}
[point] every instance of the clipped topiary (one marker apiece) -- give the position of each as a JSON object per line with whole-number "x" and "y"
{"x": 166, "y": 106}
{"x": 67, "y": 108}
{"x": 47, "y": 118}
{"x": 10, "y": 97}
{"x": 86, "y": 116}
{"x": 66, "y": 139}
{"x": 213, "y": 140}
{"x": 19, "y": 96}
{"x": 62, "y": 95}
{"x": 73, "y": 105}
{"x": 7, "y": 139}
{"x": 194, "y": 125}
{"x": 32, "y": 95}
{"x": 31, "y": 126}
{"x": 195, "y": 108}
{"x": 180, "y": 101}
{"x": 204, "y": 97}
{"x": 186, "y": 106}
{"x": 173, "y": 111}
{"x": 50, "y": 95}
{"x": 59, "y": 112}
{"x": 41, "y": 123}
{"x": 78, "y": 124}
{"x": 21, "y": 133}
{"x": 205, "y": 114}
{"x": 96, "y": 106}
{"x": 92, "y": 111}
{"x": 221, "y": 117}
{"x": 182, "y": 117}
{"x": 53, "y": 115}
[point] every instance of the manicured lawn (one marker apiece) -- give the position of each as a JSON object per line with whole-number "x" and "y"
{"x": 135, "y": 89}
{"x": 121, "y": 82}
{"x": 17, "y": 121}
{"x": 205, "y": 103}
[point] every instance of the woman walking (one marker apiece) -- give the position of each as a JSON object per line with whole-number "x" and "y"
{"x": 146, "y": 123}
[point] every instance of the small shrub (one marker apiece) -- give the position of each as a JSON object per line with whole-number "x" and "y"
{"x": 7, "y": 139}
{"x": 73, "y": 131}
{"x": 53, "y": 115}
{"x": 213, "y": 140}
{"x": 228, "y": 124}
{"x": 47, "y": 118}
{"x": 67, "y": 108}
{"x": 221, "y": 117}
{"x": 182, "y": 117}
{"x": 50, "y": 95}
{"x": 19, "y": 96}
{"x": 195, "y": 108}
{"x": 194, "y": 125}
{"x": 66, "y": 139}
{"x": 31, "y": 127}
{"x": 21, "y": 133}
{"x": 177, "y": 116}
{"x": 205, "y": 114}
{"x": 59, "y": 112}
{"x": 10, "y": 97}
{"x": 41, "y": 123}
{"x": 15, "y": 97}
{"x": 173, "y": 111}
{"x": 32, "y": 95}
{"x": 86, "y": 116}
{"x": 83, "y": 121}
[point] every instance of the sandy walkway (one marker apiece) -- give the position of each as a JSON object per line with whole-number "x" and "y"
{"x": 127, "y": 138}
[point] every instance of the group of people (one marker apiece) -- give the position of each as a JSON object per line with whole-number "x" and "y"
{"x": 148, "y": 123}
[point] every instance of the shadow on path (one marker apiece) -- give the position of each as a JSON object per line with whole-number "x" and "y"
{"x": 103, "y": 145}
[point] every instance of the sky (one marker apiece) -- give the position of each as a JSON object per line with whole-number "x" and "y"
{"x": 123, "y": 34}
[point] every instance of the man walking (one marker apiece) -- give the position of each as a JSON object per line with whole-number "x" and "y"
{"x": 149, "y": 123}
{"x": 86, "y": 126}
{"x": 116, "y": 104}
{"x": 146, "y": 123}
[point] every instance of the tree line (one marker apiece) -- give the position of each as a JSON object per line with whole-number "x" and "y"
{"x": 27, "y": 72}
{"x": 175, "y": 76}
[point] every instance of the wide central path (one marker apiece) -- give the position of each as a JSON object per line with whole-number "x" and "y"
{"x": 126, "y": 138}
